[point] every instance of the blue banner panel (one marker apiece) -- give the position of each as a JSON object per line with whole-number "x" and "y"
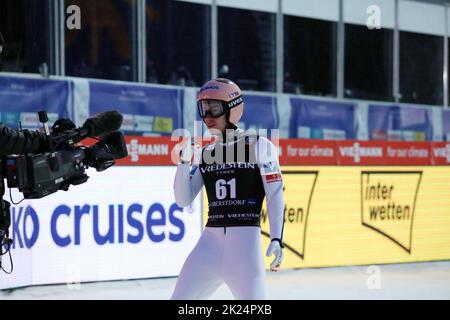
{"x": 146, "y": 110}
{"x": 446, "y": 125}
{"x": 399, "y": 123}
{"x": 22, "y": 98}
{"x": 260, "y": 112}
{"x": 316, "y": 119}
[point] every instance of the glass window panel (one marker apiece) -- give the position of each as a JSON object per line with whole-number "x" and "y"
{"x": 421, "y": 64}
{"x": 102, "y": 48}
{"x": 24, "y": 25}
{"x": 368, "y": 63}
{"x": 309, "y": 56}
{"x": 247, "y": 48}
{"x": 178, "y": 42}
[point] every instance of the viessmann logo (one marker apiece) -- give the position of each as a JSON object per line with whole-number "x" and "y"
{"x": 136, "y": 149}
{"x": 388, "y": 202}
{"x": 443, "y": 152}
{"x": 298, "y": 189}
{"x": 357, "y": 152}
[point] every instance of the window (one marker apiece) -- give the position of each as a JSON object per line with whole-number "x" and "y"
{"x": 178, "y": 43}
{"x": 24, "y": 25}
{"x": 309, "y": 56}
{"x": 421, "y": 63}
{"x": 368, "y": 63}
{"x": 246, "y": 41}
{"x": 103, "y": 46}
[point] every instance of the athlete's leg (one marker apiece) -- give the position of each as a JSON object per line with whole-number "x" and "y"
{"x": 200, "y": 277}
{"x": 244, "y": 269}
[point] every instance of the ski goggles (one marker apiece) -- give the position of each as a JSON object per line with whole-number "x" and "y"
{"x": 216, "y": 108}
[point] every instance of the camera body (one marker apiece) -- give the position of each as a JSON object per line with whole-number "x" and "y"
{"x": 39, "y": 175}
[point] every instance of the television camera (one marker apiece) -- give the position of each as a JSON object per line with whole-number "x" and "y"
{"x": 39, "y": 175}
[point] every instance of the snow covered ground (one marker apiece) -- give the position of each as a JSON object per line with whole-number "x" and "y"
{"x": 401, "y": 281}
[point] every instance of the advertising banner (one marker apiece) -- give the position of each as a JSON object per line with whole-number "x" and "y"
{"x": 336, "y": 216}
{"x": 307, "y": 152}
{"x": 260, "y": 113}
{"x": 382, "y": 153}
{"x": 158, "y": 151}
{"x": 446, "y": 124}
{"x": 146, "y": 110}
{"x": 326, "y": 120}
{"x": 122, "y": 224}
{"x": 440, "y": 153}
{"x": 400, "y": 123}
{"x": 22, "y": 98}
{"x": 144, "y": 151}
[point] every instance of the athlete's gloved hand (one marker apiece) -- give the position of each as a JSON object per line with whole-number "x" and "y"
{"x": 276, "y": 248}
{"x": 185, "y": 151}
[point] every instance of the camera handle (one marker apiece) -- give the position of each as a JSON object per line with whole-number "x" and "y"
{"x": 43, "y": 118}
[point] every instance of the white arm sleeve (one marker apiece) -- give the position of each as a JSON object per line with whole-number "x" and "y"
{"x": 187, "y": 184}
{"x": 273, "y": 185}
